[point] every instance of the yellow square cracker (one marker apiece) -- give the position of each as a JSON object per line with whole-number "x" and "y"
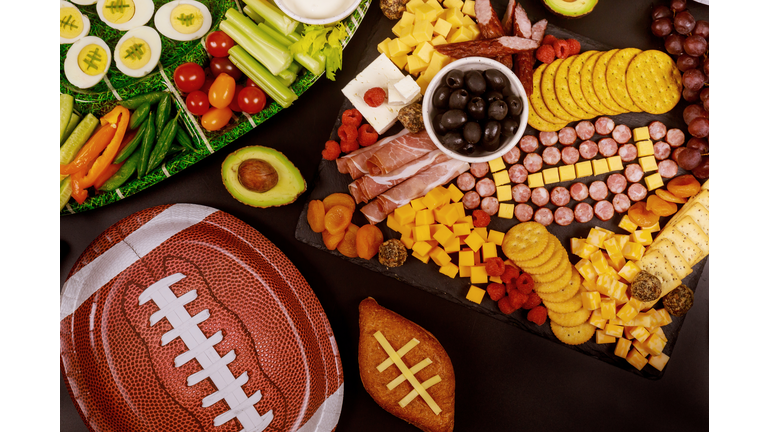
{"x": 689, "y": 228}
{"x": 700, "y": 215}
{"x": 644, "y": 148}
{"x": 691, "y": 253}
{"x": 535, "y": 180}
{"x": 501, "y": 178}
{"x": 504, "y": 193}
{"x": 673, "y": 256}
{"x": 654, "y": 263}
{"x": 496, "y": 164}
{"x": 641, "y": 133}
{"x": 475, "y": 294}
{"x": 599, "y": 166}
{"x": 567, "y": 172}
{"x": 583, "y": 169}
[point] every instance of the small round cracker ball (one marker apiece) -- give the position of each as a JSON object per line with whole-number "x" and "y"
{"x": 646, "y": 287}
{"x": 678, "y": 301}
{"x": 392, "y": 253}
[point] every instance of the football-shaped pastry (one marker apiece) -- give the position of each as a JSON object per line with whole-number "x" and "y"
{"x": 184, "y": 318}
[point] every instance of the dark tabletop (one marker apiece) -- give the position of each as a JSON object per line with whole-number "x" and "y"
{"x": 506, "y": 378}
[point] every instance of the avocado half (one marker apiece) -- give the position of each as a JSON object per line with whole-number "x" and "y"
{"x": 290, "y": 184}
{"x": 570, "y": 8}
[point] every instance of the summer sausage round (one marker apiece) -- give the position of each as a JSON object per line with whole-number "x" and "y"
{"x": 479, "y": 169}
{"x": 490, "y": 205}
{"x": 628, "y": 152}
{"x": 544, "y": 216}
{"x": 465, "y": 181}
{"x": 529, "y": 143}
{"x": 637, "y": 192}
{"x": 598, "y": 190}
{"x": 604, "y": 210}
{"x": 518, "y": 173}
{"x": 485, "y": 187}
{"x": 588, "y": 149}
{"x": 633, "y": 172}
{"x": 661, "y": 150}
{"x": 675, "y": 137}
{"x": 583, "y": 212}
{"x": 566, "y": 136}
{"x": 607, "y": 147}
{"x": 471, "y": 200}
{"x": 563, "y": 216}
{"x": 548, "y": 138}
{"x": 621, "y": 203}
{"x": 523, "y": 212}
{"x": 604, "y": 125}
{"x": 540, "y": 196}
{"x": 622, "y": 134}
{"x": 570, "y": 155}
{"x": 511, "y": 157}
{"x": 551, "y": 155}
{"x": 532, "y": 162}
{"x": 579, "y": 191}
{"x": 521, "y": 193}
{"x": 668, "y": 168}
{"x": 657, "y": 130}
{"x": 616, "y": 183}
{"x": 585, "y": 129}
{"x": 560, "y": 196}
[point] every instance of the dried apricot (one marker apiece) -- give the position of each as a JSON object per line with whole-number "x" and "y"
{"x": 369, "y": 238}
{"x": 669, "y": 196}
{"x": 660, "y": 207}
{"x": 332, "y": 241}
{"x": 641, "y": 216}
{"x": 684, "y": 186}
{"x": 339, "y": 198}
{"x": 337, "y": 219}
{"x": 316, "y": 216}
{"x": 348, "y": 246}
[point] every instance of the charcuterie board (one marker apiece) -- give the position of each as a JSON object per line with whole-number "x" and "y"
{"x": 427, "y": 277}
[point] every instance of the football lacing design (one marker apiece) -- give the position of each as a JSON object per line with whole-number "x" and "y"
{"x": 201, "y": 348}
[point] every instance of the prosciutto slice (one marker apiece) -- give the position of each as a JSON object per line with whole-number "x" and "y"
{"x": 415, "y": 187}
{"x": 354, "y": 163}
{"x": 369, "y": 186}
{"x": 399, "y": 151}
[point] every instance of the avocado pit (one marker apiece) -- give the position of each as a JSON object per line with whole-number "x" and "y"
{"x": 257, "y": 175}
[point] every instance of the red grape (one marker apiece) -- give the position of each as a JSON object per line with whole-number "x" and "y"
{"x": 702, "y": 29}
{"x": 661, "y": 11}
{"x": 699, "y": 144}
{"x": 704, "y": 95}
{"x": 695, "y": 45}
{"x": 694, "y": 79}
{"x": 661, "y": 27}
{"x": 678, "y": 5}
{"x": 691, "y": 95}
{"x": 688, "y": 159}
{"x": 699, "y": 127}
{"x": 685, "y": 62}
{"x": 684, "y": 22}
{"x": 702, "y": 170}
{"x": 705, "y": 66}
{"x": 674, "y": 44}
{"x": 692, "y": 111}
{"x": 676, "y": 154}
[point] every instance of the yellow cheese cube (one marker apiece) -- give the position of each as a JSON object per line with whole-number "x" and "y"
{"x": 467, "y": 21}
{"x": 654, "y": 228}
{"x": 648, "y": 163}
{"x": 615, "y": 163}
{"x": 495, "y": 237}
{"x": 622, "y": 347}
{"x": 478, "y": 275}
{"x": 655, "y": 344}
{"x": 418, "y": 204}
{"x": 626, "y": 313}
{"x": 474, "y": 241}
{"x": 466, "y": 258}
{"x": 535, "y": 180}
{"x": 435, "y": 4}
{"x": 464, "y": 271}
{"x": 617, "y": 290}
{"x": 475, "y": 294}
{"x": 408, "y": 242}
{"x": 443, "y": 235}
{"x": 597, "y": 320}
{"x": 641, "y": 133}
{"x": 453, "y": 245}
{"x": 383, "y": 47}
{"x": 447, "y": 215}
{"x": 461, "y": 229}
{"x": 611, "y": 246}
{"x": 472, "y": 27}
{"x": 658, "y": 331}
{"x": 635, "y": 303}
{"x": 461, "y": 34}
{"x": 583, "y": 169}
{"x": 582, "y": 249}
{"x": 642, "y": 319}
{"x": 496, "y": 165}
{"x": 628, "y": 332}
{"x": 453, "y": 4}
{"x": 596, "y": 237}
{"x": 466, "y": 219}
{"x": 442, "y": 27}
{"x": 393, "y": 224}
{"x": 604, "y": 283}
{"x": 420, "y": 257}
{"x": 415, "y": 64}
{"x": 504, "y": 193}
{"x": 450, "y": 270}
{"x": 453, "y": 16}
{"x": 506, "y": 211}
{"x": 422, "y": 248}
{"x": 496, "y": 279}
{"x": 602, "y": 338}
{"x": 436, "y": 198}
{"x": 666, "y": 317}
{"x": 608, "y": 309}
{"x": 629, "y": 271}
{"x": 614, "y": 330}
{"x": 633, "y": 251}
{"x": 440, "y": 39}
{"x": 644, "y": 148}
{"x": 551, "y": 175}
{"x": 501, "y": 178}
{"x": 455, "y": 193}
{"x": 599, "y": 166}
{"x": 469, "y": 8}
{"x": 658, "y": 361}
{"x": 599, "y": 262}
{"x": 424, "y": 51}
{"x": 589, "y": 284}
{"x": 643, "y": 237}
{"x": 590, "y": 300}
{"x": 623, "y": 239}
{"x": 489, "y": 251}
{"x": 567, "y": 172}
{"x": 627, "y": 224}
{"x": 397, "y": 29}
{"x": 586, "y": 269}
{"x": 482, "y": 232}
{"x": 654, "y": 181}
{"x": 427, "y": 14}
{"x": 440, "y": 256}
{"x": 405, "y": 214}
{"x": 422, "y": 233}
{"x": 412, "y": 5}
{"x": 636, "y": 359}
{"x": 406, "y": 36}
{"x": 422, "y": 30}
{"x": 424, "y": 217}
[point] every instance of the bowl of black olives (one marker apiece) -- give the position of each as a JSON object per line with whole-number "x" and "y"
{"x": 475, "y": 109}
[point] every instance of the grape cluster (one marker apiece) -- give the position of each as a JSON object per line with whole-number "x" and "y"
{"x": 687, "y": 40}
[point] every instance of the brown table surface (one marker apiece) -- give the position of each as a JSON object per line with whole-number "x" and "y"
{"x": 506, "y": 378}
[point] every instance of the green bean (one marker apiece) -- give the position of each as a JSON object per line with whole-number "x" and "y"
{"x": 128, "y": 150}
{"x": 139, "y": 100}
{"x": 124, "y": 173}
{"x": 163, "y": 143}
{"x": 183, "y": 138}
{"x": 163, "y": 111}
{"x": 139, "y": 115}
{"x": 147, "y": 142}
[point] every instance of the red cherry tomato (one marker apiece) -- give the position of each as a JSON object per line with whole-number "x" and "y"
{"x": 207, "y": 84}
{"x": 222, "y": 91}
{"x": 189, "y": 77}
{"x": 197, "y": 102}
{"x": 249, "y": 83}
{"x": 251, "y": 100}
{"x": 234, "y": 106}
{"x": 224, "y": 65}
{"x": 216, "y": 118}
{"x": 218, "y": 44}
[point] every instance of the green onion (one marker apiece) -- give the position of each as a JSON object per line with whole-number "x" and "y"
{"x": 258, "y": 44}
{"x": 271, "y": 85}
{"x": 315, "y": 63}
{"x": 274, "y": 16}
{"x": 253, "y": 15}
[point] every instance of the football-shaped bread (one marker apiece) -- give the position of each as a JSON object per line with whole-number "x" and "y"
{"x": 184, "y": 318}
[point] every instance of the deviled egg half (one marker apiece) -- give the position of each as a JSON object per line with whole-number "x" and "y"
{"x": 73, "y": 25}
{"x": 84, "y": 2}
{"x": 138, "y": 51}
{"x": 125, "y": 14}
{"x": 87, "y": 61}
{"x": 183, "y": 20}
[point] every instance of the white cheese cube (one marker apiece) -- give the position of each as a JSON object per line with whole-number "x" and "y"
{"x": 377, "y": 74}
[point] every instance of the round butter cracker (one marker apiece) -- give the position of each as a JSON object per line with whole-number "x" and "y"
{"x": 563, "y": 266}
{"x": 537, "y": 102}
{"x": 543, "y": 257}
{"x": 588, "y": 87}
{"x": 525, "y": 241}
{"x": 566, "y": 293}
{"x": 571, "y": 305}
{"x": 574, "y": 82}
{"x": 549, "y": 265}
{"x": 575, "y": 335}
{"x": 548, "y": 92}
{"x": 542, "y": 125}
{"x": 563, "y": 91}
{"x": 616, "y": 77}
{"x": 600, "y": 83}
{"x": 654, "y": 82}
{"x": 557, "y": 284}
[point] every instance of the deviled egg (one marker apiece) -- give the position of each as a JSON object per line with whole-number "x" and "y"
{"x": 84, "y": 2}
{"x": 183, "y": 20}
{"x": 138, "y": 51}
{"x": 87, "y": 61}
{"x": 125, "y": 14}
{"x": 73, "y": 25}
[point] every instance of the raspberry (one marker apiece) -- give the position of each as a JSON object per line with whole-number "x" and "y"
{"x": 510, "y": 274}
{"x": 352, "y": 117}
{"x": 524, "y": 283}
{"x": 548, "y": 39}
{"x": 367, "y": 135}
{"x": 574, "y": 47}
{"x": 545, "y": 54}
{"x": 347, "y": 133}
{"x": 332, "y": 150}
{"x": 494, "y": 266}
{"x": 375, "y": 96}
{"x": 532, "y": 301}
{"x": 561, "y": 49}
{"x": 480, "y": 218}
{"x": 496, "y": 291}
{"x": 349, "y": 146}
{"x": 538, "y": 315}
{"x": 505, "y": 306}
{"x": 517, "y": 298}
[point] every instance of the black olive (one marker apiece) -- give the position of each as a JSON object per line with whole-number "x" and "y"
{"x": 497, "y": 110}
{"x": 493, "y": 95}
{"x": 454, "y": 79}
{"x": 475, "y": 82}
{"x": 454, "y": 119}
{"x": 459, "y": 99}
{"x": 491, "y": 132}
{"x": 515, "y": 105}
{"x": 495, "y": 79}
{"x": 509, "y": 126}
{"x": 476, "y": 108}
{"x": 472, "y": 132}
{"x": 491, "y": 146}
{"x": 467, "y": 149}
{"x": 437, "y": 124}
{"x": 441, "y": 96}
{"x": 453, "y": 140}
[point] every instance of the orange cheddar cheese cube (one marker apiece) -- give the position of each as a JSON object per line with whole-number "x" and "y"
{"x": 604, "y": 283}
{"x": 622, "y": 347}
{"x": 655, "y": 228}
{"x": 617, "y": 290}
{"x": 615, "y": 163}
{"x": 643, "y": 237}
{"x": 658, "y": 331}
{"x": 422, "y": 233}
{"x": 635, "y": 303}
{"x": 626, "y": 313}
{"x": 392, "y": 223}
{"x": 623, "y": 239}
{"x": 614, "y": 330}
{"x": 581, "y": 248}
{"x": 658, "y": 361}
{"x": 482, "y": 232}
{"x": 602, "y": 338}
{"x": 422, "y": 248}
{"x": 654, "y": 181}
{"x": 600, "y": 263}
{"x": 450, "y": 270}
{"x": 474, "y": 241}
{"x": 597, "y": 320}
{"x": 633, "y": 251}
{"x": 453, "y": 245}
{"x": 627, "y": 225}
{"x": 640, "y": 347}
{"x": 489, "y": 251}
{"x": 495, "y": 237}
{"x": 455, "y": 193}
{"x": 608, "y": 309}
{"x": 641, "y": 133}
{"x": 596, "y": 237}
{"x": 589, "y": 284}
{"x": 440, "y": 256}
{"x": 636, "y": 359}
{"x": 466, "y": 258}
{"x": 478, "y": 275}
{"x": 465, "y": 272}
{"x": 408, "y": 242}
{"x": 591, "y": 300}
{"x": 475, "y": 294}
{"x": 461, "y": 229}
{"x": 655, "y": 344}
{"x": 666, "y": 318}
{"x": 420, "y": 257}
{"x": 629, "y": 271}
{"x": 443, "y": 235}
{"x": 424, "y": 217}
{"x": 405, "y": 214}
{"x": 648, "y": 163}
{"x": 418, "y": 204}
{"x": 644, "y": 148}
{"x": 586, "y": 269}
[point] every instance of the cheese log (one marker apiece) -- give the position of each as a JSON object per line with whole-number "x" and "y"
{"x": 673, "y": 256}
{"x": 655, "y": 264}
{"x": 689, "y": 228}
{"x": 691, "y": 253}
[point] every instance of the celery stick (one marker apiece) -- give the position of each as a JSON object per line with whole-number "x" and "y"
{"x": 271, "y": 85}
{"x": 253, "y": 15}
{"x": 74, "y": 119}
{"x": 274, "y": 16}
{"x": 257, "y": 43}
{"x": 65, "y": 191}
{"x": 315, "y": 64}
{"x": 289, "y": 75}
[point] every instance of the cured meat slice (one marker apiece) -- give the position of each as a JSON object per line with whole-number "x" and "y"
{"x": 675, "y": 137}
{"x": 657, "y": 130}
{"x": 548, "y": 138}
{"x": 661, "y": 150}
{"x": 621, "y": 203}
{"x": 490, "y": 205}
{"x": 518, "y": 173}
{"x": 551, "y": 155}
{"x": 585, "y": 129}
{"x": 607, "y": 146}
{"x": 617, "y": 183}
{"x": 588, "y": 149}
{"x": 570, "y": 155}
{"x": 471, "y": 200}
{"x": 560, "y": 196}
{"x": 604, "y": 210}
{"x": 354, "y": 163}
{"x": 628, "y": 152}
{"x": 567, "y": 136}
{"x": 604, "y": 125}
{"x": 479, "y": 169}
{"x": 399, "y": 152}
{"x": 579, "y": 191}
{"x": 522, "y": 24}
{"x": 563, "y": 216}
{"x": 544, "y": 216}
{"x": 523, "y": 212}
{"x": 637, "y": 192}
{"x": 538, "y": 30}
{"x": 369, "y": 186}
{"x": 521, "y": 193}
{"x": 533, "y": 162}
{"x": 622, "y": 134}
{"x": 633, "y": 172}
{"x": 529, "y": 143}
{"x": 486, "y": 187}
{"x": 668, "y": 168}
{"x": 540, "y": 196}
{"x": 511, "y": 157}
{"x": 583, "y": 212}
{"x": 598, "y": 190}
{"x": 489, "y": 48}
{"x": 487, "y": 20}
{"x": 508, "y": 21}
{"x": 465, "y": 182}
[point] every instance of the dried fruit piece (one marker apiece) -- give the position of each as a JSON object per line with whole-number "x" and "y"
{"x": 641, "y": 216}
{"x": 369, "y": 238}
{"x": 660, "y": 207}
{"x": 669, "y": 196}
{"x": 339, "y": 198}
{"x": 348, "y": 245}
{"x": 337, "y": 219}
{"x": 316, "y": 216}
{"x": 332, "y": 241}
{"x": 684, "y": 186}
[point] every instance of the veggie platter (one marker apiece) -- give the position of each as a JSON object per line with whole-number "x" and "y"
{"x": 118, "y": 88}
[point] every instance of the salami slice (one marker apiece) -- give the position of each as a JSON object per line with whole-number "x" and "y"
{"x": 544, "y": 216}
{"x": 485, "y": 187}
{"x": 471, "y": 200}
{"x": 585, "y": 129}
{"x": 563, "y": 216}
{"x": 621, "y": 203}
{"x": 560, "y": 196}
{"x": 511, "y": 157}
{"x": 628, "y": 152}
{"x": 533, "y": 162}
{"x": 489, "y": 48}
{"x": 579, "y": 191}
{"x": 657, "y": 130}
{"x": 518, "y": 173}
{"x": 633, "y": 173}
{"x": 551, "y": 155}
{"x": 490, "y": 205}
{"x": 529, "y": 143}
{"x": 604, "y": 210}
{"x": 588, "y": 149}
{"x": 548, "y": 138}
{"x": 540, "y": 196}
{"x": 583, "y": 212}
{"x": 668, "y": 168}
{"x": 598, "y": 190}
{"x": 675, "y": 137}
{"x": 567, "y": 136}
{"x": 570, "y": 155}
{"x": 521, "y": 193}
{"x": 465, "y": 181}
{"x": 487, "y": 20}
{"x": 661, "y": 150}
{"x": 616, "y": 183}
{"x": 523, "y": 212}
{"x": 622, "y": 134}
{"x": 479, "y": 169}
{"x": 608, "y": 146}
{"x": 604, "y": 125}
{"x": 637, "y": 192}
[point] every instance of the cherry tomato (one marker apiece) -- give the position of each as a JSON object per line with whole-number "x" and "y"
{"x": 224, "y": 65}
{"x": 249, "y": 83}
{"x": 216, "y": 118}
{"x": 251, "y": 100}
{"x": 234, "y": 106}
{"x": 222, "y": 91}
{"x": 197, "y": 102}
{"x": 207, "y": 84}
{"x": 189, "y": 77}
{"x": 218, "y": 44}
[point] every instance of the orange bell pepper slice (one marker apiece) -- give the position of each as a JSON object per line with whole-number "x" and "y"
{"x": 113, "y": 168}
{"x": 91, "y": 150}
{"x": 120, "y": 116}
{"x": 79, "y": 193}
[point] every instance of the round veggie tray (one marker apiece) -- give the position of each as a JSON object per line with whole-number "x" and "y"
{"x": 116, "y": 86}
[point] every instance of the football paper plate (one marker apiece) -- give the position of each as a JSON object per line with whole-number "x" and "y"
{"x": 182, "y": 317}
